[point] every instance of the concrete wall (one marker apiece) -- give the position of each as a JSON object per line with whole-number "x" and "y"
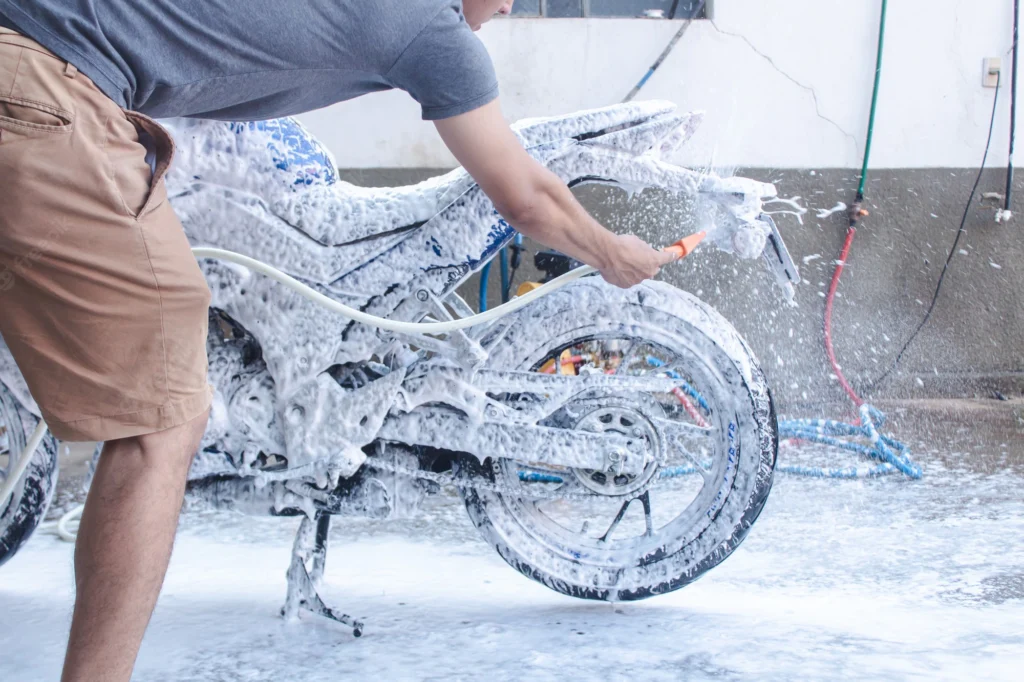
{"x": 785, "y": 83}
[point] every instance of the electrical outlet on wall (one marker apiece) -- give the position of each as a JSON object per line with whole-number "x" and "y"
{"x": 990, "y": 75}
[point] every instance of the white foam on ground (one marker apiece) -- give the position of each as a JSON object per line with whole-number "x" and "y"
{"x": 874, "y": 580}
{"x": 822, "y": 213}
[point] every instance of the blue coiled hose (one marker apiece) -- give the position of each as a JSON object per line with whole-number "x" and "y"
{"x": 891, "y": 455}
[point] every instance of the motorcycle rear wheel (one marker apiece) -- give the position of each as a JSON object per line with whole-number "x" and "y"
{"x": 716, "y": 443}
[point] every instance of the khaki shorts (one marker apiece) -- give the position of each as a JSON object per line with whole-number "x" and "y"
{"x": 101, "y": 301}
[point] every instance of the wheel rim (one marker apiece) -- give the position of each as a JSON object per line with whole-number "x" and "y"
{"x": 624, "y": 518}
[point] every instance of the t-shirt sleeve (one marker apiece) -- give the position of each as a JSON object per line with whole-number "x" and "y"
{"x": 446, "y": 68}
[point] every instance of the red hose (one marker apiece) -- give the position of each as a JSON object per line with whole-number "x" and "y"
{"x": 840, "y": 264}
{"x": 689, "y": 407}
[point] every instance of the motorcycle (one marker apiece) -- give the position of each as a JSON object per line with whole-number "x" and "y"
{"x": 610, "y": 444}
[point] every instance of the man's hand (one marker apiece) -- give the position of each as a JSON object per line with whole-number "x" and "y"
{"x": 633, "y": 261}
{"x": 537, "y": 203}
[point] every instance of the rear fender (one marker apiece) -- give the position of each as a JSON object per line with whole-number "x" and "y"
{"x": 537, "y": 131}
{"x": 659, "y": 136}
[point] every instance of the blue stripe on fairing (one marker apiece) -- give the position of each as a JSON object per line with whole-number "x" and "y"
{"x": 499, "y": 235}
{"x": 294, "y": 150}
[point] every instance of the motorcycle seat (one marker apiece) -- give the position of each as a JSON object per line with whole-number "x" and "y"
{"x": 281, "y": 165}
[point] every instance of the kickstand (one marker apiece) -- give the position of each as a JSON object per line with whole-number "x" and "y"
{"x": 311, "y": 547}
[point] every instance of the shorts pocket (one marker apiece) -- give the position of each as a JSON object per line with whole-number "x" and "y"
{"x": 130, "y": 171}
{"x": 26, "y": 116}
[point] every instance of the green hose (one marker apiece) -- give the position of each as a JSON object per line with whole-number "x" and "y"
{"x": 874, "y": 103}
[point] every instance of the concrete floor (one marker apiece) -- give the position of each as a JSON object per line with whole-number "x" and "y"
{"x": 884, "y": 579}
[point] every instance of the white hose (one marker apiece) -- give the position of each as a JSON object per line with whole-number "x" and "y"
{"x": 384, "y": 323}
{"x": 62, "y": 526}
{"x": 15, "y": 474}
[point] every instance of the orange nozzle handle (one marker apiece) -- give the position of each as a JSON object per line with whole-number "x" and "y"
{"x": 685, "y": 246}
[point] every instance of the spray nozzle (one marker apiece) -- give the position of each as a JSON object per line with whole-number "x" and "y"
{"x": 685, "y": 246}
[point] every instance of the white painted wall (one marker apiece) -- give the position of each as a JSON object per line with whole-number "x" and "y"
{"x": 785, "y": 84}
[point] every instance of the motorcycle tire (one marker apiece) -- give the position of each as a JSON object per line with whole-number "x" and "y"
{"x": 597, "y": 569}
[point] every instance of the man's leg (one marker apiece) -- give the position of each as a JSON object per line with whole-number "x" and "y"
{"x": 124, "y": 544}
{"x": 105, "y": 310}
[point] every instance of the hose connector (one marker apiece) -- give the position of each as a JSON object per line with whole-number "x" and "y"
{"x": 857, "y": 211}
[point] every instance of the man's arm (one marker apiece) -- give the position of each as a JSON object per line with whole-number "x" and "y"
{"x": 537, "y": 203}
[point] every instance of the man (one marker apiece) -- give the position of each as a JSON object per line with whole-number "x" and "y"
{"x": 103, "y": 305}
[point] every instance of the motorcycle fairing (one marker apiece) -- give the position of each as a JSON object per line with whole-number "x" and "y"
{"x": 270, "y": 191}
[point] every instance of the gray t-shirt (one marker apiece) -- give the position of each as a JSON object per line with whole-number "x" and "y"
{"x": 259, "y": 59}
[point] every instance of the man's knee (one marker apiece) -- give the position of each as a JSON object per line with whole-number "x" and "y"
{"x": 181, "y": 440}
{"x": 176, "y": 446}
